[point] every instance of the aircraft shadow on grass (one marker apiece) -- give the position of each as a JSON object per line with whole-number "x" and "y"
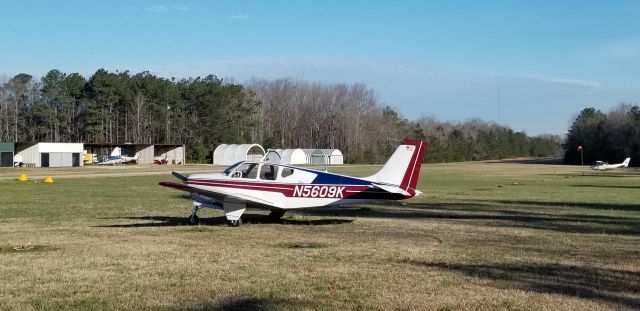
{"x": 607, "y": 186}
{"x": 595, "y": 174}
{"x": 608, "y": 285}
{"x": 497, "y": 214}
{"x": 258, "y": 304}
{"x": 171, "y": 221}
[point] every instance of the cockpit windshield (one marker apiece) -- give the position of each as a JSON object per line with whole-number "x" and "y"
{"x": 230, "y": 169}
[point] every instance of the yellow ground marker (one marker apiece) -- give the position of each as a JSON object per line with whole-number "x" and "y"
{"x": 48, "y": 180}
{"x": 23, "y": 177}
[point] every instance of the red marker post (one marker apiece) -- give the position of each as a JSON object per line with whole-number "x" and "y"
{"x": 581, "y": 155}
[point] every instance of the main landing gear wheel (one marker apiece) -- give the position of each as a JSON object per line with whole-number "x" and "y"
{"x": 193, "y": 219}
{"x": 234, "y": 223}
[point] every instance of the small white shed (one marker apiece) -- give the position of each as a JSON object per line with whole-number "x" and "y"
{"x": 335, "y": 156}
{"x": 227, "y": 154}
{"x": 289, "y": 156}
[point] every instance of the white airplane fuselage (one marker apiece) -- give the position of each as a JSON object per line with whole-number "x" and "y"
{"x": 606, "y": 166}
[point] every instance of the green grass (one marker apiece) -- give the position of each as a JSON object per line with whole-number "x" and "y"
{"x": 482, "y": 236}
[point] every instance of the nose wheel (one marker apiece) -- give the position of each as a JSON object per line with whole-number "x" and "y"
{"x": 193, "y": 219}
{"x": 234, "y": 223}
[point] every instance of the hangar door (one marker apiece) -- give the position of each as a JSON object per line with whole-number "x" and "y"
{"x": 6, "y": 154}
{"x": 6, "y": 159}
{"x": 59, "y": 159}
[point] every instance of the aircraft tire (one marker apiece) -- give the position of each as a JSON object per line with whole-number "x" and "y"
{"x": 234, "y": 223}
{"x": 193, "y": 219}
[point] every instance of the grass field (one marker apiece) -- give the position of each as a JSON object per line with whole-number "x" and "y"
{"x": 482, "y": 236}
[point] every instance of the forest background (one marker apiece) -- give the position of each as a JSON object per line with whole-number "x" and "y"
{"x": 121, "y": 107}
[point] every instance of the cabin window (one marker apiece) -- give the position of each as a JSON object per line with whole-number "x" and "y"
{"x": 268, "y": 172}
{"x": 286, "y": 172}
{"x": 249, "y": 170}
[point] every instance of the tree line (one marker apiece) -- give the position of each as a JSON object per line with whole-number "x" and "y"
{"x": 121, "y": 107}
{"x": 349, "y": 117}
{"x": 610, "y": 136}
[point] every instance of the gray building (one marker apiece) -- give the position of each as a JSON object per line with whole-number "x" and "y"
{"x": 6, "y": 154}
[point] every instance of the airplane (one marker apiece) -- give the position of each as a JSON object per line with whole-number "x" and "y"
{"x": 114, "y": 159}
{"x": 130, "y": 160}
{"x": 279, "y": 187}
{"x": 603, "y": 166}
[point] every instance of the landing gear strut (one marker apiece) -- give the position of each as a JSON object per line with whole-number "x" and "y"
{"x": 193, "y": 219}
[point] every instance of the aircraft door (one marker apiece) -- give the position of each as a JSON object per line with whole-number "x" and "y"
{"x": 268, "y": 172}
{"x": 246, "y": 170}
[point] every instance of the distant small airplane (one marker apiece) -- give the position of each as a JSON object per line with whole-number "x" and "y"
{"x": 603, "y": 166}
{"x": 130, "y": 160}
{"x": 114, "y": 159}
{"x": 279, "y": 187}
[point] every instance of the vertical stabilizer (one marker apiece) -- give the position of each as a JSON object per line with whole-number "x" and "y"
{"x": 403, "y": 168}
{"x": 626, "y": 162}
{"x": 116, "y": 152}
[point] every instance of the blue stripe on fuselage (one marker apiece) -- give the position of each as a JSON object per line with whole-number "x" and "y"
{"x": 333, "y": 179}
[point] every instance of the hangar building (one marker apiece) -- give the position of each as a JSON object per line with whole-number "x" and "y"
{"x": 50, "y": 154}
{"x": 145, "y": 153}
{"x": 305, "y": 156}
{"x": 227, "y": 154}
{"x": 173, "y": 154}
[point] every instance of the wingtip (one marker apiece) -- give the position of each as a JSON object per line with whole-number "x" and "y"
{"x": 179, "y": 176}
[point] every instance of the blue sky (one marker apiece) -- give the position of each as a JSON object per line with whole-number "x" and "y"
{"x": 530, "y": 65}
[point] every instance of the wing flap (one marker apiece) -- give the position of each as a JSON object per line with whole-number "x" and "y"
{"x": 219, "y": 196}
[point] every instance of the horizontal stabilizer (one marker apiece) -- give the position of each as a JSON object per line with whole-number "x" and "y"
{"x": 178, "y": 176}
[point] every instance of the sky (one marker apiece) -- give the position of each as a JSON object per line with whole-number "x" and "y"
{"x": 529, "y": 65}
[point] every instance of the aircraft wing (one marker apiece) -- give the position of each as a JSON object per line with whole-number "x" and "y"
{"x": 219, "y": 196}
{"x": 599, "y": 162}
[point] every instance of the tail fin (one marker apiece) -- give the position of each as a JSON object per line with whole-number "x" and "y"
{"x": 626, "y": 162}
{"x": 116, "y": 152}
{"x": 403, "y": 168}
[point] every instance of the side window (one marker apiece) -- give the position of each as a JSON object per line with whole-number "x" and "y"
{"x": 286, "y": 172}
{"x": 248, "y": 170}
{"x": 268, "y": 172}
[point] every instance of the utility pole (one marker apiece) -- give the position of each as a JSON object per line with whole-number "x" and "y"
{"x": 581, "y": 155}
{"x": 168, "y": 135}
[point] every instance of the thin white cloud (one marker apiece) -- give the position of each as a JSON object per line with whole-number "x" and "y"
{"x": 239, "y": 17}
{"x": 157, "y": 8}
{"x": 536, "y": 104}
{"x": 588, "y": 84}
{"x": 129, "y": 9}
{"x": 622, "y": 49}
{"x": 162, "y": 8}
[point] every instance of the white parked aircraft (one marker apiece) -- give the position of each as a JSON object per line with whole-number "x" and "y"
{"x": 279, "y": 187}
{"x": 114, "y": 159}
{"x": 117, "y": 157}
{"x": 130, "y": 160}
{"x": 603, "y": 166}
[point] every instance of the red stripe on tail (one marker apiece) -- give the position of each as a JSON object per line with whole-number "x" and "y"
{"x": 410, "y": 179}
